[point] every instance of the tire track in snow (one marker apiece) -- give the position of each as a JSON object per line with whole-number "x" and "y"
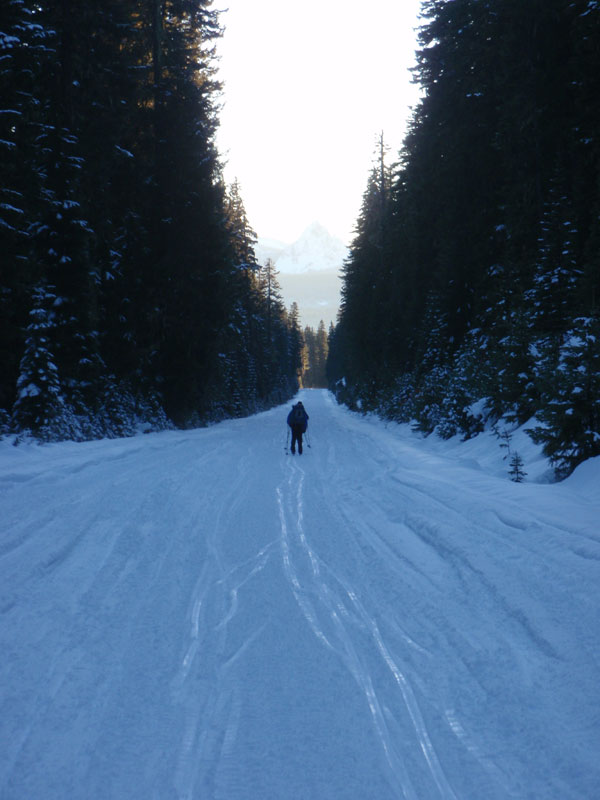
{"x": 212, "y": 706}
{"x": 452, "y": 559}
{"x": 497, "y": 565}
{"x": 437, "y": 532}
{"x": 344, "y": 619}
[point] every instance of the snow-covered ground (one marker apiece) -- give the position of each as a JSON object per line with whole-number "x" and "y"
{"x": 200, "y": 615}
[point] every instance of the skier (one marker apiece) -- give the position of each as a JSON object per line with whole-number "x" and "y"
{"x": 298, "y": 421}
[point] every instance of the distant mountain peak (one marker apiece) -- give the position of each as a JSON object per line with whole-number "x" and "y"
{"x": 315, "y": 249}
{"x": 315, "y": 229}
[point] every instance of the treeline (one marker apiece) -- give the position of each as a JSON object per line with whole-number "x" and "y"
{"x": 314, "y": 357}
{"x": 129, "y": 290}
{"x": 471, "y": 294}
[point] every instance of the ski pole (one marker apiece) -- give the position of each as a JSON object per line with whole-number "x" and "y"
{"x": 287, "y": 440}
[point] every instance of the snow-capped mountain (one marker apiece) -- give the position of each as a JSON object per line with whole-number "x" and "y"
{"x": 316, "y": 249}
{"x": 269, "y": 248}
{"x": 309, "y": 272}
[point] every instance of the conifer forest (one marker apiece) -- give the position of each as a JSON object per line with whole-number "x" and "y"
{"x": 130, "y": 293}
{"x": 471, "y": 294}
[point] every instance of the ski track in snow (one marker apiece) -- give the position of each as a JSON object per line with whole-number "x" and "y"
{"x": 199, "y": 615}
{"x": 343, "y": 616}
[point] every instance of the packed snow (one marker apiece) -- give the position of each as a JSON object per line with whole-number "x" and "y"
{"x": 200, "y": 614}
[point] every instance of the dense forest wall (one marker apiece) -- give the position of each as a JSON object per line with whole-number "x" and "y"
{"x": 471, "y": 294}
{"x": 314, "y": 357}
{"x": 129, "y": 291}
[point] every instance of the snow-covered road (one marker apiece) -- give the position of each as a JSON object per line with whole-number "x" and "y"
{"x": 199, "y": 615}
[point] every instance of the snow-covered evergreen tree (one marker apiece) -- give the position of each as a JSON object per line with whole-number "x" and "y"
{"x": 570, "y": 412}
{"x": 517, "y": 468}
{"x": 40, "y": 406}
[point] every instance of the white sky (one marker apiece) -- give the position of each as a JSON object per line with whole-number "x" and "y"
{"x": 308, "y": 87}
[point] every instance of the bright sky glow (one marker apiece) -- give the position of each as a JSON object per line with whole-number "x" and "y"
{"x": 308, "y": 87}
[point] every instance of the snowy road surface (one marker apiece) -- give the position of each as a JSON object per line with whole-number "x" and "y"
{"x": 199, "y": 615}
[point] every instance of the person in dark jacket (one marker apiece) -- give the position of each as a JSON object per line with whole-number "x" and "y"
{"x": 298, "y": 421}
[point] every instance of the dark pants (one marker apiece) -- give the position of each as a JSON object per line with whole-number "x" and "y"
{"x": 296, "y": 437}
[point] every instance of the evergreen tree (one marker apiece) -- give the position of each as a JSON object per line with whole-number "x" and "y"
{"x": 517, "y": 472}
{"x": 570, "y": 412}
{"x": 365, "y": 277}
{"x": 243, "y": 237}
{"x": 314, "y": 374}
{"x": 24, "y": 45}
{"x": 558, "y": 271}
{"x": 296, "y": 340}
{"x": 40, "y": 407}
{"x": 467, "y": 288}
{"x": 271, "y": 289}
{"x": 111, "y": 192}
{"x": 321, "y": 352}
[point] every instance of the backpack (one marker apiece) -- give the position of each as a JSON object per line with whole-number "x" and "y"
{"x": 297, "y": 416}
